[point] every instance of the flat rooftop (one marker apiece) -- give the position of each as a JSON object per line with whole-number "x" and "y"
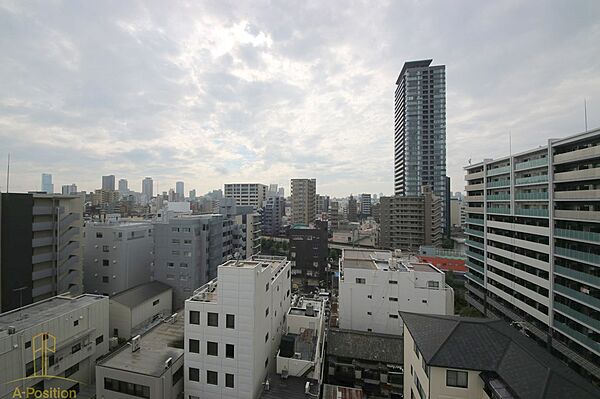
{"x": 366, "y": 346}
{"x": 135, "y": 296}
{"x": 289, "y": 388}
{"x": 384, "y": 260}
{"x": 156, "y": 346}
{"x": 31, "y": 315}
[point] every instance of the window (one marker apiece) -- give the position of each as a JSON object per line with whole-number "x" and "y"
{"x": 194, "y": 345}
{"x": 194, "y": 374}
{"x": 72, "y": 370}
{"x": 433, "y": 284}
{"x": 141, "y": 391}
{"x": 393, "y": 299}
{"x": 416, "y": 350}
{"x": 170, "y": 276}
{"x": 174, "y": 252}
{"x": 99, "y": 340}
{"x": 99, "y": 234}
{"x": 393, "y": 282}
{"x": 267, "y": 287}
{"x": 229, "y": 380}
{"x": 361, "y": 280}
{"x": 105, "y": 279}
{"x": 105, "y": 248}
{"x": 28, "y": 344}
{"x": 393, "y": 316}
{"x": 194, "y": 317}
{"x": 424, "y": 301}
{"x": 369, "y": 296}
{"x": 369, "y": 313}
{"x": 105, "y": 262}
{"x": 266, "y": 312}
{"x": 266, "y": 337}
{"x": 178, "y": 375}
{"x": 170, "y": 264}
{"x": 212, "y": 348}
{"x": 156, "y": 302}
{"x": 230, "y": 321}
{"x": 459, "y": 379}
{"x": 75, "y": 323}
{"x": 76, "y": 348}
{"x": 229, "y": 351}
{"x": 187, "y": 254}
{"x": 266, "y": 362}
{"x": 212, "y": 377}
{"x": 183, "y": 264}
{"x": 175, "y": 229}
{"x": 175, "y": 241}
{"x": 187, "y": 242}
{"x": 213, "y": 319}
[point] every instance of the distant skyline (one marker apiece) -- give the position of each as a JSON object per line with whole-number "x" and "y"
{"x": 218, "y": 92}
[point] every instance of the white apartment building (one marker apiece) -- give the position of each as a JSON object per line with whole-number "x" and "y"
{"x": 116, "y": 256}
{"x": 253, "y": 194}
{"x": 60, "y": 336}
{"x": 233, "y": 327}
{"x": 375, "y": 285}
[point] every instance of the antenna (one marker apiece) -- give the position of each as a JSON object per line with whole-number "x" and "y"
{"x": 8, "y": 172}
{"x": 585, "y": 113}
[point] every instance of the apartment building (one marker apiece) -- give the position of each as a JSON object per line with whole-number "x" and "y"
{"x": 406, "y": 222}
{"x": 150, "y": 366}
{"x": 272, "y": 216}
{"x": 533, "y": 247}
{"x": 233, "y": 327}
{"x": 245, "y": 225}
{"x": 375, "y": 285}
{"x": 188, "y": 249}
{"x": 40, "y": 247}
{"x": 247, "y": 194}
{"x": 116, "y": 255}
{"x": 352, "y": 215}
{"x": 304, "y": 201}
{"x": 473, "y": 358}
{"x": 308, "y": 251}
{"x": 333, "y": 216}
{"x": 365, "y": 205}
{"x": 58, "y": 337}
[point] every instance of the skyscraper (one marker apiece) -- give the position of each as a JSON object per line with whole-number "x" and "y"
{"x": 108, "y": 182}
{"x": 179, "y": 190}
{"x": 420, "y": 130}
{"x": 47, "y": 186}
{"x": 123, "y": 186}
{"x": 304, "y": 201}
{"x": 148, "y": 188}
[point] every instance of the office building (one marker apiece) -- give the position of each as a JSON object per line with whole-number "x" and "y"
{"x": 150, "y": 367}
{"x": 40, "y": 247}
{"x": 69, "y": 189}
{"x": 333, "y": 216}
{"x": 104, "y": 198}
{"x": 187, "y": 251}
{"x": 59, "y": 337}
{"x": 123, "y": 186}
{"x": 365, "y": 205}
{"x": 420, "y": 131}
{"x": 406, "y": 222}
{"x": 352, "y": 209}
{"x": 108, "y": 183}
{"x": 458, "y": 214}
{"x": 251, "y": 194}
{"x": 375, "y": 285}
{"x": 193, "y": 194}
{"x": 47, "y": 186}
{"x": 322, "y": 205}
{"x": 272, "y": 216}
{"x": 134, "y": 310}
{"x": 245, "y": 226}
{"x": 147, "y": 189}
{"x": 233, "y": 328}
{"x": 304, "y": 201}
{"x": 116, "y": 256}
{"x": 180, "y": 190}
{"x": 533, "y": 247}
{"x": 454, "y": 357}
{"x": 308, "y": 251}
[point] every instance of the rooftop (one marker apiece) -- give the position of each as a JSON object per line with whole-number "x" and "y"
{"x": 135, "y": 296}
{"x": 367, "y": 346}
{"x": 288, "y": 388}
{"x": 492, "y": 346}
{"x": 413, "y": 64}
{"x": 338, "y": 392}
{"x": 384, "y": 260}
{"x": 156, "y": 346}
{"x": 39, "y": 312}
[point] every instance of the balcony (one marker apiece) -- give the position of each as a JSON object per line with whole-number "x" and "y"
{"x": 474, "y": 198}
{"x": 577, "y": 336}
{"x": 498, "y": 183}
{"x": 587, "y": 257}
{"x": 577, "y": 235}
{"x": 476, "y": 244}
{"x": 42, "y": 242}
{"x": 575, "y": 175}
{"x": 474, "y": 175}
{"x": 472, "y": 265}
{"x": 498, "y": 197}
{"x": 475, "y": 221}
{"x": 473, "y": 209}
{"x": 536, "y": 212}
{"x": 577, "y": 215}
{"x": 475, "y": 255}
{"x": 541, "y": 195}
{"x": 473, "y": 232}
{"x": 475, "y": 304}
{"x": 474, "y": 187}
{"x": 39, "y": 226}
{"x": 68, "y": 249}
{"x": 502, "y": 211}
{"x": 45, "y": 257}
{"x": 578, "y": 155}
{"x": 578, "y": 316}
{"x": 498, "y": 171}
{"x": 472, "y": 277}
{"x": 532, "y": 180}
{"x": 69, "y": 219}
{"x": 534, "y": 163}
{"x": 585, "y": 299}
{"x": 585, "y": 278}
{"x": 577, "y": 195}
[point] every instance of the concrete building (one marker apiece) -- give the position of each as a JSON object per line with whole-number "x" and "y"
{"x": 533, "y": 247}
{"x": 180, "y": 190}
{"x": 375, "y": 285}
{"x": 352, "y": 209}
{"x": 69, "y": 189}
{"x": 458, "y": 213}
{"x": 471, "y": 358}
{"x": 47, "y": 186}
{"x": 365, "y": 205}
{"x": 322, "y": 205}
{"x": 104, "y": 198}
{"x": 150, "y": 367}
{"x": 245, "y": 226}
{"x": 233, "y": 328}
{"x": 147, "y": 189}
{"x": 420, "y": 131}
{"x": 406, "y": 222}
{"x": 247, "y": 194}
{"x": 188, "y": 249}
{"x": 333, "y": 215}
{"x": 308, "y": 251}
{"x": 123, "y": 186}
{"x": 304, "y": 201}
{"x": 60, "y": 337}
{"x": 272, "y": 216}
{"x": 40, "y": 247}
{"x": 116, "y": 256}
{"x": 108, "y": 183}
{"x": 134, "y": 310}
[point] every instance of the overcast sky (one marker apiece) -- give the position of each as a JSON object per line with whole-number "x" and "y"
{"x": 211, "y": 92}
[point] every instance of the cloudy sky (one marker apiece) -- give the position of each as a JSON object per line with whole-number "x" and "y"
{"x": 229, "y": 91}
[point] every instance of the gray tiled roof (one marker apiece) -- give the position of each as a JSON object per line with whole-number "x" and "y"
{"x": 492, "y": 345}
{"x": 134, "y": 296}
{"x": 366, "y": 346}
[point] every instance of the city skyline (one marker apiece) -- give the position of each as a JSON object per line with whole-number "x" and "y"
{"x": 211, "y": 94}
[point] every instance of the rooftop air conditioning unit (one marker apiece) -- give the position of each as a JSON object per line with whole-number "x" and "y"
{"x": 297, "y": 355}
{"x": 135, "y": 343}
{"x": 168, "y": 362}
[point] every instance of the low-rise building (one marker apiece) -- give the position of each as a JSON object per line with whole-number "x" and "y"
{"x": 135, "y": 309}
{"x": 150, "y": 367}
{"x": 375, "y": 285}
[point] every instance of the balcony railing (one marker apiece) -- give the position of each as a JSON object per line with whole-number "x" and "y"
{"x": 498, "y": 197}
{"x": 575, "y": 315}
{"x": 473, "y": 232}
{"x": 498, "y": 183}
{"x": 498, "y": 171}
{"x": 503, "y": 211}
{"x": 577, "y": 275}
{"x": 475, "y": 221}
{"x": 534, "y": 163}
{"x": 539, "y": 212}
{"x": 584, "y": 339}
{"x": 477, "y": 244}
{"x": 532, "y": 196}
{"x": 532, "y": 179}
{"x": 578, "y": 296}
{"x": 471, "y": 276}
{"x": 475, "y": 255}
{"x": 577, "y": 234}
{"x": 472, "y": 265}
{"x": 587, "y": 257}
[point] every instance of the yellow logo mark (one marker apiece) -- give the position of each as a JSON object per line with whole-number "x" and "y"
{"x": 42, "y": 344}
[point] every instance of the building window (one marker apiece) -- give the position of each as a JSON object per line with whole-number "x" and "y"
{"x": 178, "y": 375}
{"x": 175, "y": 252}
{"x": 212, "y": 377}
{"x": 433, "y": 284}
{"x": 187, "y": 254}
{"x": 229, "y": 351}
{"x": 266, "y": 312}
{"x": 229, "y": 380}
{"x": 175, "y": 241}
{"x": 361, "y": 280}
{"x": 393, "y": 282}
{"x": 76, "y": 348}
{"x": 393, "y": 299}
{"x": 99, "y": 340}
{"x": 424, "y": 300}
{"x": 72, "y": 370}
{"x": 267, "y": 287}
{"x": 187, "y": 242}
{"x": 230, "y": 321}
{"x": 212, "y": 348}
{"x": 194, "y": 374}
{"x": 194, "y": 317}
{"x": 266, "y": 362}
{"x": 369, "y": 296}
{"x": 183, "y": 264}
{"x": 141, "y": 391}
{"x": 99, "y": 234}
{"x": 105, "y": 262}
{"x": 393, "y": 316}
{"x": 266, "y": 337}
{"x": 170, "y": 276}
{"x": 194, "y": 345}
{"x": 213, "y": 319}
{"x": 416, "y": 350}
{"x": 75, "y": 323}
{"x": 28, "y": 344}
{"x": 105, "y": 248}
{"x": 170, "y": 264}
{"x": 459, "y": 379}
{"x": 156, "y": 302}
{"x": 369, "y": 313}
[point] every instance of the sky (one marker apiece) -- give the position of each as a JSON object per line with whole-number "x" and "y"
{"x": 214, "y": 92}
